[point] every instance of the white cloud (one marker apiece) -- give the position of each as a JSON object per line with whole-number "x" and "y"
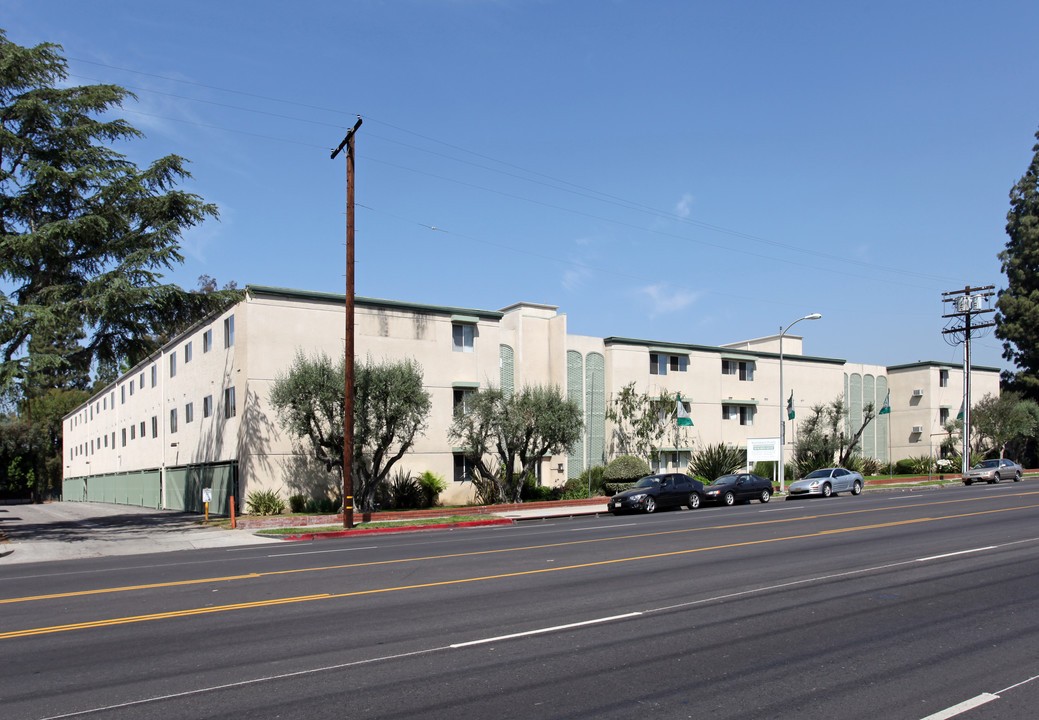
{"x": 666, "y": 299}
{"x": 684, "y": 207}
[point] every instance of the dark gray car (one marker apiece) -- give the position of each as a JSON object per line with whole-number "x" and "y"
{"x": 740, "y": 487}
{"x": 659, "y": 491}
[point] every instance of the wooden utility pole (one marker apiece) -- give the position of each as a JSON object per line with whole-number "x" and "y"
{"x": 348, "y": 350}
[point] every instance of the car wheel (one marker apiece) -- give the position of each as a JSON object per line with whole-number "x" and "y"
{"x": 730, "y": 499}
{"x": 856, "y": 488}
{"x": 994, "y": 480}
{"x": 651, "y": 504}
{"x": 1017, "y": 477}
{"x": 827, "y": 490}
{"x": 694, "y": 500}
{"x": 766, "y": 495}
{"x": 968, "y": 483}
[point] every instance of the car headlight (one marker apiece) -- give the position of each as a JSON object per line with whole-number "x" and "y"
{"x": 713, "y": 492}
{"x": 814, "y": 485}
{"x": 637, "y": 498}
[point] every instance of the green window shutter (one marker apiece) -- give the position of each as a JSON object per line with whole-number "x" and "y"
{"x": 507, "y": 371}
{"x": 575, "y": 392}
{"x": 595, "y": 408}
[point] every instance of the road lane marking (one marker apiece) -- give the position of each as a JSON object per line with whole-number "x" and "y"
{"x": 322, "y": 552}
{"x": 348, "y": 566}
{"x": 953, "y": 554}
{"x": 484, "y": 578}
{"x": 960, "y": 708}
{"x": 542, "y": 631}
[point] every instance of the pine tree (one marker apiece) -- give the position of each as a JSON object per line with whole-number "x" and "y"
{"x": 85, "y": 235}
{"x": 1017, "y": 319}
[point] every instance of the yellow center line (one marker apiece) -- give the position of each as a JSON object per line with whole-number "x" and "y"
{"x": 475, "y": 553}
{"x": 484, "y": 578}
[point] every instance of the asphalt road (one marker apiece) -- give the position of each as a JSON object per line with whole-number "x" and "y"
{"x": 878, "y": 606}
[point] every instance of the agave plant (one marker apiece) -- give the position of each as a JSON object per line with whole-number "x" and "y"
{"x": 713, "y": 461}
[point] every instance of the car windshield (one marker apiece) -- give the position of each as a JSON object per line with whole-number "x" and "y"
{"x": 987, "y": 464}
{"x": 819, "y": 473}
{"x": 648, "y": 482}
{"x": 725, "y": 480}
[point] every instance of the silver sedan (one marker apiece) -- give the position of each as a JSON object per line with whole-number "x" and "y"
{"x": 992, "y": 471}
{"x": 826, "y": 482}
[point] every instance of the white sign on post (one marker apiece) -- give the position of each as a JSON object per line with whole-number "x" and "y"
{"x": 207, "y": 495}
{"x": 762, "y": 450}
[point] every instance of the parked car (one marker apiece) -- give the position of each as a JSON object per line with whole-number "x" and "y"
{"x": 992, "y": 471}
{"x": 826, "y": 482}
{"x": 659, "y": 491}
{"x": 741, "y": 487}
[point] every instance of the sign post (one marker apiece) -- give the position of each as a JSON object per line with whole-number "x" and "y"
{"x": 763, "y": 450}
{"x": 207, "y": 497}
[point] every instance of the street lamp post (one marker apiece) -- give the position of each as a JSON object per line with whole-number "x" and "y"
{"x": 782, "y": 420}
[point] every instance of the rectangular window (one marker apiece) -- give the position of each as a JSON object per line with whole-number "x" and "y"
{"x": 657, "y": 364}
{"x": 143, "y": 429}
{"x": 743, "y": 413}
{"x": 141, "y": 380}
{"x": 746, "y": 415}
{"x": 943, "y": 416}
{"x": 155, "y": 376}
{"x": 463, "y": 337}
{"x": 113, "y": 400}
{"x": 207, "y": 406}
{"x": 743, "y": 368}
{"x": 122, "y": 394}
{"x": 747, "y": 371}
{"x": 461, "y": 400}
{"x": 462, "y": 470}
{"x": 155, "y": 426}
{"x": 229, "y": 331}
{"x": 943, "y": 378}
{"x": 229, "y": 408}
{"x": 187, "y": 353}
{"x": 678, "y": 363}
{"x": 106, "y": 441}
{"x": 133, "y": 432}
{"x": 173, "y": 420}
{"x": 104, "y": 403}
{"x": 124, "y": 437}
{"x": 131, "y": 388}
{"x": 189, "y": 412}
{"x": 113, "y": 439}
{"x": 207, "y": 341}
{"x": 173, "y": 365}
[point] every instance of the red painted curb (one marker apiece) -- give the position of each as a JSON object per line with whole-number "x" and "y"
{"x": 407, "y": 528}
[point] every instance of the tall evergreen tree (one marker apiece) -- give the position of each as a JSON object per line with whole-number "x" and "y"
{"x": 85, "y": 235}
{"x": 1017, "y": 317}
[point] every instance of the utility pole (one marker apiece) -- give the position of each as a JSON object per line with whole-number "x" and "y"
{"x": 348, "y": 350}
{"x": 967, "y": 303}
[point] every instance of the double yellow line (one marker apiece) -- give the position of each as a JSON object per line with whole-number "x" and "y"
{"x": 330, "y": 596}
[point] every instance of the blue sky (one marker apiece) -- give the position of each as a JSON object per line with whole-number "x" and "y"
{"x": 676, "y": 171}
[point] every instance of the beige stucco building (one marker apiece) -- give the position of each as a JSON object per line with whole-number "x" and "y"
{"x": 196, "y": 414}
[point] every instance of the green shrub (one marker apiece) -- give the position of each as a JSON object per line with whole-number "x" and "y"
{"x": 405, "y": 491}
{"x": 575, "y": 488}
{"x": 297, "y": 503}
{"x": 592, "y": 478}
{"x": 626, "y": 468}
{"x": 713, "y": 461}
{"x": 612, "y": 488}
{"x": 264, "y": 502}
{"x": 532, "y": 492}
{"x": 765, "y": 469}
{"x": 870, "y": 466}
{"x": 432, "y": 485}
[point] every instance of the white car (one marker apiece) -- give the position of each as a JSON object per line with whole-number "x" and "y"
{"x": 826, "y": 482}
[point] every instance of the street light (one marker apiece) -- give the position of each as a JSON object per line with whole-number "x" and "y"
{"x": 782, "y": 420}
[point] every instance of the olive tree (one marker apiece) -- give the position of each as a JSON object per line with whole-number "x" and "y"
{"x": 390, "y": 410}
{"x": 505, "y": 436}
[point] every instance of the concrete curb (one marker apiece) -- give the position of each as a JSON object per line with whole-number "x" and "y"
{"x": 377, "y": 531}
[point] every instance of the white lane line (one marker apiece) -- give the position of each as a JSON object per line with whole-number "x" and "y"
{"x": 960, "y": 708}
{"x": 541, "y": 631}
{"x": 954, "y": 554}
{"x": 783, "y": 509}
{"x": 319, "y": 552}
{"x": 1017, "y": 685}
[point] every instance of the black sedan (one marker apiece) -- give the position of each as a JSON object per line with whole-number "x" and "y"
{"x": 659, "y": 491}
{"x": 741, "y": 487}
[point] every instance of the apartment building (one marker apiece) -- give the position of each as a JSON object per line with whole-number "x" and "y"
{"x": 197, "y": 413}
